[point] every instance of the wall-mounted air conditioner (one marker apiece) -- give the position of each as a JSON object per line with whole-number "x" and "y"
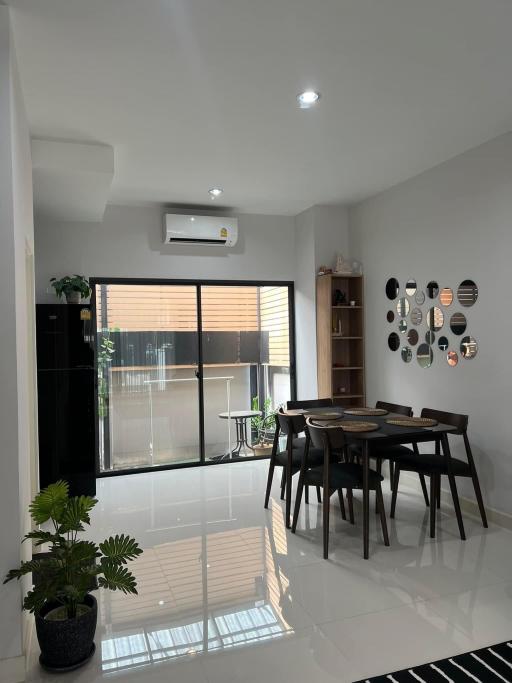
{"x": 218, "y": 231}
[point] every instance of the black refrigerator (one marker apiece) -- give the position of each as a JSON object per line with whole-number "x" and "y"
{"x": 66, "y": 381}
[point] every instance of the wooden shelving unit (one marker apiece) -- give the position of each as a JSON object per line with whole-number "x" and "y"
{"x": 340, "y": 357}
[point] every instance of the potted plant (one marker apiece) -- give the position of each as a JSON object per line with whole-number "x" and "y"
{"x": 64, "y": 609}
{"x": 263, "y": 425}
{"x": 73, "y": 287}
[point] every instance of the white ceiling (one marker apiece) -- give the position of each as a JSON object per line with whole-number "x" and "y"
{"x": 197, "y": 93}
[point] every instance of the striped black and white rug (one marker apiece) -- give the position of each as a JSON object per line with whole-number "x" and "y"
{"x": 488, "y": 665}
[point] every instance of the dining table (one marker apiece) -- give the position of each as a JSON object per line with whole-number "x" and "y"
{"x": 387, "y": 435}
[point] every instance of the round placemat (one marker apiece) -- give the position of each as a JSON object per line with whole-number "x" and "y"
{"x": 412, "y": 422}
{"x": 365, "y": 411}
{"x": 323, "y": 416}
{"x": 348, "y": 425}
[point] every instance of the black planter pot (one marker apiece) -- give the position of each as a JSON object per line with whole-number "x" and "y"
{"x": 66, "y": 644}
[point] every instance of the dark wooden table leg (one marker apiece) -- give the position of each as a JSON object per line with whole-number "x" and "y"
{"x": 433, "y": 507}
{"x": 453, "y": 487}
{"x": 366, "y": 501}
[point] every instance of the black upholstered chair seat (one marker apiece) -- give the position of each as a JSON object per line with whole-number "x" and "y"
{"x": 315, "y": 457}
{"x": 342, "y": 475}
{"x": 427, "y": 462}
{"x": 384, "y": 452}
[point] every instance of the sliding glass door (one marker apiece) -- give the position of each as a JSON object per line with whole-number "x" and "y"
{"x": 189, "y": 372}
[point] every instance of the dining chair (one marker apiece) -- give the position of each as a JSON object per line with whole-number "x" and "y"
{"x": 304, "y": 405}
{"x": 437, "y": 464}
{"x": 291, "y": 458}
{"x": 334, "y": 475}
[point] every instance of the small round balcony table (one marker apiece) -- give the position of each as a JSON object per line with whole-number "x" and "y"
{"x": 240, "y": 417}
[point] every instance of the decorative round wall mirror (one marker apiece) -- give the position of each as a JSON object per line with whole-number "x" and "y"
{"x": 435, "y": 318}
{"x": 443, "y": 343}
{"x": 413, "y": 337}
{"x": 467, "y": 293}
{"x": 402, "y": 307}
{"x": 458, "y": 323}
{"x": 424, "y": 356}
{"x": 446, "y": 296}
{"x": 419, "y": 297}
{"x": 452, "y": 358}
{"x": 468, "y": 347}
{"x": 410, "y": 287}
{"x": 430, "y": 338}
{"x": 392, "y": 288}
{"x": 390, "y": 316}
{"x": 406, "y": 354}
{"x": 394, "y": 341}
{"x": 432, "y": 289}
{"x": 402, "y": 326}
{"x": 416, "y": 316}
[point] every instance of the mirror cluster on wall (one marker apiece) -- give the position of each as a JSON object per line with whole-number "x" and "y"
{"x": 440, "y": 328}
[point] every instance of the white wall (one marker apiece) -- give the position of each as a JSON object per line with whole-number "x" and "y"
{"x": 128, "y": 243}
{"x": 16, "y": 341}
{"x": 321, "y": 232}
{"x": 448, "y": 224}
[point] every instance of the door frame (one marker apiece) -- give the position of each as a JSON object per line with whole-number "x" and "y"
{"x": 198, "y": 283}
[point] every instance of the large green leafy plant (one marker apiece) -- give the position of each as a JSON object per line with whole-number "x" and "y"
{"x": 71, "y": 283}
{"x": 73, "y": 566}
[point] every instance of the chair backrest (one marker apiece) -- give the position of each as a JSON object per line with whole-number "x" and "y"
{"x": 291, "y": 424}
{"x": 460, "y": 422}
{"x": 325, "y": 434}
{"x": 394, "y": 408}
{"x": 313, "y": 403}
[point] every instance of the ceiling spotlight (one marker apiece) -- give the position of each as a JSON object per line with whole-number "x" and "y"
{"x": 215, "y": 192}
{"x": 308, "y": 98}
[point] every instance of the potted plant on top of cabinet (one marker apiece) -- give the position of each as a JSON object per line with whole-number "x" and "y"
{"x": 73, "y": 287}
{"x": 65, "y": 611}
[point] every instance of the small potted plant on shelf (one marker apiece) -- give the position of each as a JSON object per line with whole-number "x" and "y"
{"x": 263, "y": 425}
{"x": 65, "y": 611}
{"x": 73, "y": 287}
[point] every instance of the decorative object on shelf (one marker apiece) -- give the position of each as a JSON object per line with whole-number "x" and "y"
{"x": 323, "y": 270}
{"x": 352, "y": 303}
{"x": 432, "y": 289}
{"x": 458, "y": 323}
{"x": 65, "y": 611}
{"x": 446, "y": 296}
{"x": 424, "y": 355}
{"x": 73, "y": 287}
{"x": 392, "y": 288}
{"x": 340, "y": 298}
{"x": 452, "y": 358}
{"x": 468, "y": 347}
{"x": 410, "y": 287}
{"x": 419, "y": 297}
{"x": 343, "y": 267}
{"x": 467, "y": 293}
{"x": 357, "y": 267}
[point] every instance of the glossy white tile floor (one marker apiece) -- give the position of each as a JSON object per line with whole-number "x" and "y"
{"x": 227, "y": 594}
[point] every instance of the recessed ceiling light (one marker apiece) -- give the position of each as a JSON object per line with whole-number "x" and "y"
{"x": 308, "y": 98}
{"x": 215, "y": 192}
